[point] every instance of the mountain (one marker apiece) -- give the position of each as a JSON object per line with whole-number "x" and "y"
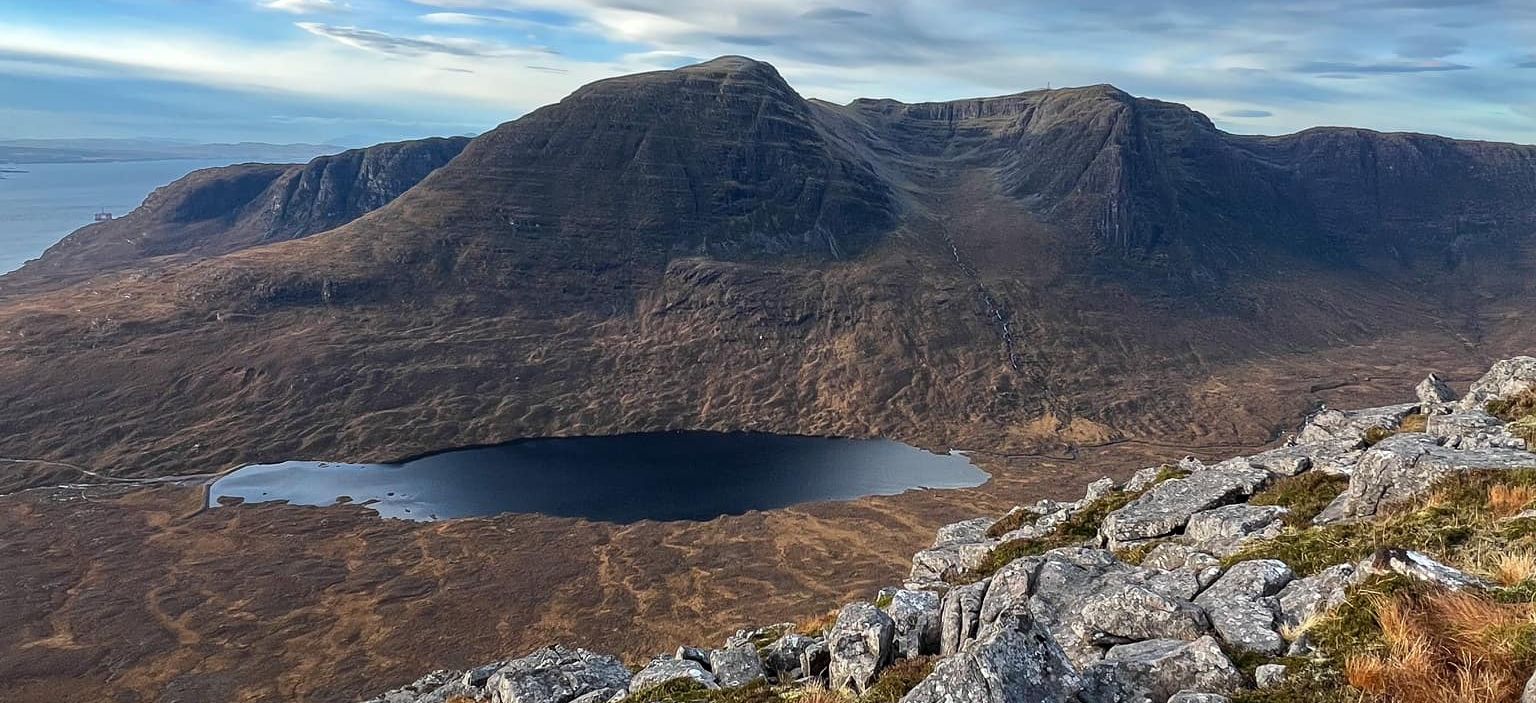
{"x": 704, "y": 248}
{"x": 219, "y": 210}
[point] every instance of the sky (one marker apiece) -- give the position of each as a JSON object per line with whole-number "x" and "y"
{"x": 355, "y": 72}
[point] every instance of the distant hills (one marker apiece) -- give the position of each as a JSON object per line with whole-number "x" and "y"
{"x": 53, "y": 151}
{"x": 704, "y": 248}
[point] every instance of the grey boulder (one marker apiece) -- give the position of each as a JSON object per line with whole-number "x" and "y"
{"x": 1167, "y": 507}
{"x": 946, "y": 562}
{"x": 1269, "y": 675}
{"x": 1193, "y": 697}
{"x": 1242, "y": 606}
{"x": 666, "y": 670}
{"x": 1284, "y": 461}
{"x": 815, "y": 659}
{"x": 1434, "y": 394}
{"x": 1014, "y": 583}
{"x": 738, "y": 664}
{"x": 1327, "y": 426}
{"x": 1222, "y": 531}
{"x": 1420, "y": 566}
{"x": 859, "y": 645}
{"x": 1130, "y": 613}
{"x": 1014, "y": 660}
{"x": 556, "y": 675}
{"x": 960, "y": 617}
{"x": 974, "y": 530}
{"x": 917, "y": 625}
{"x": 1404, "y": 466}
{"x": 1472, "y": 429}
{"x": 1504, "y": 379}
{"x": 783, "y": 657}
{"x": 1157, "y": 670}
{"x": 1305, "y": 598}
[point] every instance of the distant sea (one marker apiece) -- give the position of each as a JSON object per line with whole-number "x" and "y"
{"x": 47, "y": 201}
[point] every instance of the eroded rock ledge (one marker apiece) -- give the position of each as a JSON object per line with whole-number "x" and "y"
{"x": 1162, "y": 589}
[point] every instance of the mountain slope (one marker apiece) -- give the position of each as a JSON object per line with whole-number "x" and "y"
{"x": 219, "y": 210}
{"x": 703, "y": 248}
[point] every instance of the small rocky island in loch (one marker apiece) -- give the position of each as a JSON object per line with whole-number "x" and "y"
{"x": 1377, "y": 551}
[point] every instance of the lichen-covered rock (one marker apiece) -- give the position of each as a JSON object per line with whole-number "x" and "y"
{"x": 916, "y": 618}
{"x": 1505, "y": 378}
{"x": 1174, "y": 557}
{"x": 1156, "y": 670}
{"x": 1420, "y": 566}
{"x": 1193, "y": 697}
{"x": 1098, "y": 489}
{"x": 1170, "y": 555}
{"x": 1434, "y": 395}
{"x": 1064, "y": 578}
{"x": 602, "y": 695}
{"x": 1284, "y": 461}
{"x": 947, "y": 562}
{"x": 782, "y": 658}
{"x": 697, "y": 654}
{"x": 969, "y": 531}
{"x": 738, "y": 664}
{"x": 1014, "y": 660}
{"x": 1221, "y": 531}
{"x": 1242, "y": 606}
{"x": 666, "y": 669}
{"x": 426, "y": 687}
{"x": 1305, "y": 598}
{"x": 1143, "y": 479}
{"x": 1329, "y": 426}
{"x": 1472, "y": 429}
{"x": 1167, "y": 507}
{"x": 1404, "y": 466}
{"x": 859, "y": 645}
{"x": 1130, "y": 613}
{"x": 1335, "y": 458}
{"x": 815, "y": 660}
{"x": 557, "y": 675}
{"x": 960, "y": 616}
{"x": 1269, "y": 675}
{"x": 1014, "y": 583}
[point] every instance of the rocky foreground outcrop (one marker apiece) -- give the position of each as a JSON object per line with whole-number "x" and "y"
{"x": 1139, "y": 592}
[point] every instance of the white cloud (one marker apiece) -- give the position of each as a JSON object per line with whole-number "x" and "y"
{"x": 305, "y": 7}
{"x": 400, "y": 45}
{"x": 452, "y": 72}
{"x": 458, "y": 19}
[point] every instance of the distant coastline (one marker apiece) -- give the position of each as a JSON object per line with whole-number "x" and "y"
{"x": 89, "y": 151}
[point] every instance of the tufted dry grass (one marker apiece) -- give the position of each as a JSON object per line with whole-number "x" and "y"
{"x": 1448, "y": 646}
{"x": 1506, "y": 500}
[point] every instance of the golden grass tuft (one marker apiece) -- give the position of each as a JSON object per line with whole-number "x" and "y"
{"x": 1448, "y": 646}
{"x": 815, "y": 625}
{"x": 1514, "y": 568}
{"x": 1506, "y": 500}
{"x": 1417, "y": 422}
{"x": 818, "y": 693}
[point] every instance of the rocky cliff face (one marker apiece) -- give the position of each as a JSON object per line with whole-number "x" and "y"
{"x": 703, "y": 248}
{"x": 1192, "y": 583}
{"x": 221, "y": 210}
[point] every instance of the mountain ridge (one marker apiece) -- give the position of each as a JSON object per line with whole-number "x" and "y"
{"x": 705, "y": 249}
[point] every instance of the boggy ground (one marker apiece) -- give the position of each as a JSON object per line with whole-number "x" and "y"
{"x": 140, "y": 594}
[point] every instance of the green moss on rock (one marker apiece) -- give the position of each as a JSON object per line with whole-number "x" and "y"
{"x": 1305, "y": 495}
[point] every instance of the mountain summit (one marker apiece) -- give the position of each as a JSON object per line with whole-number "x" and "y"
{"x": 704, "y": 248}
